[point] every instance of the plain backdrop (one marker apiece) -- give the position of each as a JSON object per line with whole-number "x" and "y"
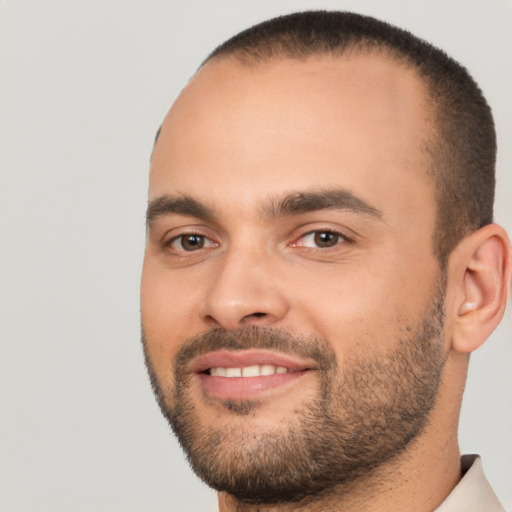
{"x": 83, "y": 88}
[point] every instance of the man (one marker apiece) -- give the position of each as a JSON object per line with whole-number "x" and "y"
{"x": 321, "y": 261}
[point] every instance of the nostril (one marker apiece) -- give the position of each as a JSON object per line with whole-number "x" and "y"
{"x": 247, "y": 319}
{"x": 258, "y": 314}
{"x": 210, "y": 320}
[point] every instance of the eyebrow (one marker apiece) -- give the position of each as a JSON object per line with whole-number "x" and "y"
{"x": 305, "y": 202}
{"x": 176, "y": 205}
{"x": 296, "y": 203}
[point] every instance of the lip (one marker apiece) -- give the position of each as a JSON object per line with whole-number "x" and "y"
{"x": 248, "y": 388}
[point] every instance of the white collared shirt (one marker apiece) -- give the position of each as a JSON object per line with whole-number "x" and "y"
{"x": 473, "y": 493}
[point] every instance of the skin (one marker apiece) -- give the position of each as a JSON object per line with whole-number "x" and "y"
{"x": 240, "y": 138}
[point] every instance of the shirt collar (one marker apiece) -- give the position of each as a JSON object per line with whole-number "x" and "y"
{"x": 473, "y": 493}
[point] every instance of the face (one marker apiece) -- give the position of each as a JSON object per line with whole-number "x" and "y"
{"x": 290, "y": 295}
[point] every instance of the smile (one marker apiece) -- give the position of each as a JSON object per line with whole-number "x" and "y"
{"x": 248, "y": 375}
{"x": 248, "y": 371}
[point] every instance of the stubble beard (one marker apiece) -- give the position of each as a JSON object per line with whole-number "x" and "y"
{"x": 362, "y": 416}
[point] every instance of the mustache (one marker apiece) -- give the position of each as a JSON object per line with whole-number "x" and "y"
{"x": 259, "y": 338}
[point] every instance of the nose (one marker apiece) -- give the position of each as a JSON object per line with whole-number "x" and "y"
{"x": 244, "y": 291}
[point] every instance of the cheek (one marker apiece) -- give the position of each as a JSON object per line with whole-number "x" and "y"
{"x": 167, "y": 313}
{"x": 349, "y": 321}
{"x": 365, "y": 308}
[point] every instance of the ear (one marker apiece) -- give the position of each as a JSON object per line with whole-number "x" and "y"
{"x": 481, "y": 267}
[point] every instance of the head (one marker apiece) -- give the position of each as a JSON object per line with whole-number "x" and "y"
{"x": 319, "y": 216}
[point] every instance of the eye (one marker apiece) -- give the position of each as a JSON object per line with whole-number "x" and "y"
{"x": 320, "y": 239}
{"x": 190, "y": 242}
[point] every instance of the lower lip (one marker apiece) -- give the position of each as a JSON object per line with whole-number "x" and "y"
{"x": 247, "y": 388}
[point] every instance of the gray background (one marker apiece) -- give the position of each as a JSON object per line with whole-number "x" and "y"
{"x": 83, "y": 88}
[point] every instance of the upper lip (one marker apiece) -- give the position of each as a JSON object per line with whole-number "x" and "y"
{"x": 243, "y": 358}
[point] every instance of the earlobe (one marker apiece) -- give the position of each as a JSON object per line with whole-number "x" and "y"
{"x": 485, "y": 260}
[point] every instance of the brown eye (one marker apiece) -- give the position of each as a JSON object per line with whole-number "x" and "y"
{"x": 321, "y": 239}
{"x": 326, "y": 238}
{"x": 191, "y": 242}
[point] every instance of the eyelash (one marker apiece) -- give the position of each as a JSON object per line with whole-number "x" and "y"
{"x": 339, "y": 238}
{"x": 170, "y": 243}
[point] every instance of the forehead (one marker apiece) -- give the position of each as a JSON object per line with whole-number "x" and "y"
{"x": 359, "y": 122}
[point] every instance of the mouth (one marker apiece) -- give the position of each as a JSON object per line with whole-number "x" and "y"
{"x": 248, "y": 375}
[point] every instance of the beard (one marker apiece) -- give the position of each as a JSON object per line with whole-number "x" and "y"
{"x": 363, "y": 414}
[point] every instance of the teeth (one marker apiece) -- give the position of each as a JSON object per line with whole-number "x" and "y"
{"x": 233, "y": 372}
{"x": 248, "y": 371}
{"x": 267, "y": 369}
{"x": 251, "y": 371}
